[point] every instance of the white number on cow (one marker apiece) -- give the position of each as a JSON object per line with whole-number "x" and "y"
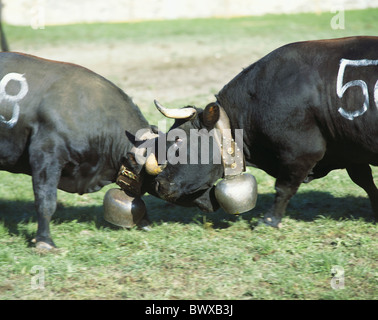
{"x": 340, "y": 88}
{"x": 12, "y": 99}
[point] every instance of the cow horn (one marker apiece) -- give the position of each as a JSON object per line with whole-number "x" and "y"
{"x": 152, "y": 166}
{"x": 185, "y": 113}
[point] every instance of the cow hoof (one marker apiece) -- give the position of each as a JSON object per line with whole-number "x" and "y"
{"x": 144, "y": 225}
{"x": 40, "y": 245}
{"x": 43, "y": 245}
{"x": 273, "y": 222}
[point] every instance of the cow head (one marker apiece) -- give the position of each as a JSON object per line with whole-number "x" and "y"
{"x": 188, "y": 179}
{"x": 196, "y": 157}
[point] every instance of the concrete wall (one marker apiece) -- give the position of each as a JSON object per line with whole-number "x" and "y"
{"x": 39, "y": 13}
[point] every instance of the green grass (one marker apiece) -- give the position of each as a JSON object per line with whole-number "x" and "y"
{"x": 269, "y": 27}
{"x": 189, "y": 254}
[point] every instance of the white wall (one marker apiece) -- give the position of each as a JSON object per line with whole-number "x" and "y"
{"x": 48, "y": 12}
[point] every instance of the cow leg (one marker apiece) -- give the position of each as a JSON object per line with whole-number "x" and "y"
{"x": 362, "y": 176}
{"x": 290, "y": 176}
{"x": 45, "y": 176}
{"x": 285, "y": 189}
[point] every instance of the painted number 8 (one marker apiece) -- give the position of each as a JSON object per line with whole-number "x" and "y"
{"x": 13, "y": 99}
{"x": 340, "y": 88}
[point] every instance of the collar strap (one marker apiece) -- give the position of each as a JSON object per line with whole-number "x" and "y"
{"x": 128, "y": 181}
{"x": 232, "y": 157}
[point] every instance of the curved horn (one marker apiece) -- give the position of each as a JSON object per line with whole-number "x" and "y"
{"x": 185, "y": 113}
{"x": 152, "y": 166}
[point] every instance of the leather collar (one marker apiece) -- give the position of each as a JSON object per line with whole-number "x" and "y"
{"x": 128, "y": 181}
{"x": 232, "y": 156}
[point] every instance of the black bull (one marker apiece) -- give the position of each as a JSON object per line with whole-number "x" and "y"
{"x": 305, "y": 109}
{"x": 65, "y": 126}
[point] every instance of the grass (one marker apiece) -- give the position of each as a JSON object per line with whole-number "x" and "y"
{"x": 269, "y": 27}
{"x": 189, "y": 254}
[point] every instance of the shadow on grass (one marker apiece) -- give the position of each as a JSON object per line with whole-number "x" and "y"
{"x": 305, "y": 206}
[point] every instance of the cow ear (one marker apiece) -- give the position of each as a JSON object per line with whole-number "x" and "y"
{"x": 131, "y": 137}
{"x": 211, "y": 115}
{"x": 154, "y": 129}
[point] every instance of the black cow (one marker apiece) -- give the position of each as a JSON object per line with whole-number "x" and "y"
{"x": 305, "y": 109}
{"x": 65, "y": 126}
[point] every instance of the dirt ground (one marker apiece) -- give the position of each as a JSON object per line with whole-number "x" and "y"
{"x": 189, "y": 72}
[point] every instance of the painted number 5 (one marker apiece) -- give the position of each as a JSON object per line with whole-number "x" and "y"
{"x": 355, "y": 83}
{"x": 13, "y": 99}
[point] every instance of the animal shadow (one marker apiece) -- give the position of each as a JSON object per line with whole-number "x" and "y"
{"x": 305, "y": 206}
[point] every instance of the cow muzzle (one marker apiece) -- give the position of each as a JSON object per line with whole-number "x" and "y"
{"x": 166, "y": 190}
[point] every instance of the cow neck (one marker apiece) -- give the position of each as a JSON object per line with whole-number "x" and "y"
{"x": 232, "y": 157}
